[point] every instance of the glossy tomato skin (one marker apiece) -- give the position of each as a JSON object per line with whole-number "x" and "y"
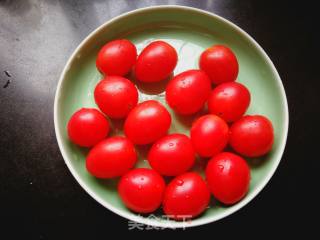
{"x": 186, "y": 196}
{"x": 116, "y": 57}
{"x": 116, "y": 96}
{"x": 156, "y": 62}
{"x": 229, "y": 101}
{"x": 147, "y": 122}
{"x": 252, "y": 136}
{"x": 87, "y": 127}
{"x": 228, "y": 177}
{"x": 112, "y": 157}
{"x": 220, "y": 63}
{"x": 187, "y": 92}
{"x": 172, "y": 155}
{"x": 209, "y": 135}
{"x": 141, "y": 190}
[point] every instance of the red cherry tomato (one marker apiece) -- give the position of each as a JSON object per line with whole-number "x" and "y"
{"x": 186, "y": 196}
{"x": 147, "y": 122}
{"x": 141, "y": 190}
{"x": 116, "y": 96}
{"x": 87, "y": 127}
{"x": 229, "y": 101}
{"x": 187, "y": 92}
{"x": 172, "y": 155}
{"x": 112, "y": 157}
{"x": 220, "y": 63}
{"x": 116, "y": 57}
{"x": 209, "y": 135}
{"x": 228, "y": 177}
{"x": 252, "y": 136}
{"x": 156, "y": 62}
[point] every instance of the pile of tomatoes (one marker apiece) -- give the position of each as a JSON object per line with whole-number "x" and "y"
{"x": 142, "y": 190}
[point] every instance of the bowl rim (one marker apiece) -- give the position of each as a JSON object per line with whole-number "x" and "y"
{"x": 173, "y": 224}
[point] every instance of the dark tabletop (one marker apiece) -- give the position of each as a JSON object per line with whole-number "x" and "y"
{"x": 39, "y": 199}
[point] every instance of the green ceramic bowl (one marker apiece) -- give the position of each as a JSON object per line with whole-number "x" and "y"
{"x": 190, "y": 31}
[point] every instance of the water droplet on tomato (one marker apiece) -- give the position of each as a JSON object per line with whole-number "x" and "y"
{"x": 221, "y": 167}
{"x": 180, "y": 182}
